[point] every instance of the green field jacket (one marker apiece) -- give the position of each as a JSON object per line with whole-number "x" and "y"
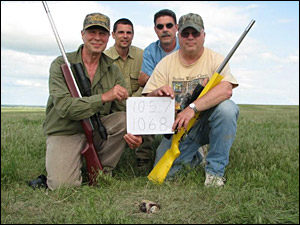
{"x": 63, "y": 112}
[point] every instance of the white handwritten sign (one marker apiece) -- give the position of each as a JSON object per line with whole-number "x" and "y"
{"x": 150, "y": 115}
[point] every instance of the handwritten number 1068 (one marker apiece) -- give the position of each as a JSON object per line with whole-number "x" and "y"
{"x": 141, "y": 124}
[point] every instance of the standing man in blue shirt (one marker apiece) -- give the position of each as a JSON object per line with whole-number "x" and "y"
{"x": 165, "y": 26}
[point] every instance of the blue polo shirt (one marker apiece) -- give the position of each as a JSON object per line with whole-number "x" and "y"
{"x": 153, "y": 54}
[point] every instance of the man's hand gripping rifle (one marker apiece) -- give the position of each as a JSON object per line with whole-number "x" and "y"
{"x": 161, "y": 169}
{"x": 89, "y": 152}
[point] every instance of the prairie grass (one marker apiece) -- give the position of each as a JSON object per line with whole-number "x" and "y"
{"x": 262, "y": 178}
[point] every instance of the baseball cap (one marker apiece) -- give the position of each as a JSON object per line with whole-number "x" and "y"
{"x": 190, "y": 20}
{"x": 96, "y": 19}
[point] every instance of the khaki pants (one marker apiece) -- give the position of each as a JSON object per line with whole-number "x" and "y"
{"x": 63, "y": 155}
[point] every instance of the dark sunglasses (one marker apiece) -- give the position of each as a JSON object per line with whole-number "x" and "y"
{"x": 186, "y": 34}
{"x": 161, "y": 26}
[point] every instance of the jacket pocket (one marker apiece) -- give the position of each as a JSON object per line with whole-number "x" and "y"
{"x": 134, "y": 76}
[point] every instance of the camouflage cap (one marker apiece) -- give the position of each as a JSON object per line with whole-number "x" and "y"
{"x": 190, "y": 20}
{"x": 96, "y": 19}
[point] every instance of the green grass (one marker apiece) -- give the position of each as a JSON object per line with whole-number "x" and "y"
{"x": 262, "y": 178}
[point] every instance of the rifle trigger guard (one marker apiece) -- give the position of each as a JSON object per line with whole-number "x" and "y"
{"x": 183, "y": 136}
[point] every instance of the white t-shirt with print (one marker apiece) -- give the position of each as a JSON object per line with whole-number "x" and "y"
{"x": 184, "y": 78}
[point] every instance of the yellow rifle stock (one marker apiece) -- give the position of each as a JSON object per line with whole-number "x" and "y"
{"x": 162, "y": 168}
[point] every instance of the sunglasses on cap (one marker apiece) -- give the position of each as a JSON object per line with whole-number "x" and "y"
{"x": 161, "y": 26}
{"x": 186, "y": 34}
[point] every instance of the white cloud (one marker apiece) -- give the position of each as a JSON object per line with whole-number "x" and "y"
{"x": 14, "y": 63}
{"x": 25, "y": 25}
{"x": 252, "y": 6}
{"x": 144, "y": 36}
{"x": 293, "y": 59}
{"x": 289, "y": 59}
{"x": 30, "y": 83}
{"x": 284, "y": 21}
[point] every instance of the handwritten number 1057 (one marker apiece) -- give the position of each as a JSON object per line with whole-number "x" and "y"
{"x": 140, "y": 106}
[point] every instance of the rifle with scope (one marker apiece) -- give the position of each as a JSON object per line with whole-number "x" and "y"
{"x": 89, "y": 125}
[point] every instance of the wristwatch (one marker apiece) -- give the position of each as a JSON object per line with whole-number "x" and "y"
{"x": 193, "y": 107}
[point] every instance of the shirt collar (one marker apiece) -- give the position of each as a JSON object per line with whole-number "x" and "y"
{"x": 105, "y": 61}
{"x": 176, "y": 46}
{"x": 115, "y": 55}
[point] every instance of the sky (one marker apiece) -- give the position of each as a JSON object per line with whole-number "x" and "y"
{"x": 266, "y": 64}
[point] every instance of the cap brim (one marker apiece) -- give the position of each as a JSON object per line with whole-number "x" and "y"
{"x": 96, "y": 25}
{"x": 196, "y": 27}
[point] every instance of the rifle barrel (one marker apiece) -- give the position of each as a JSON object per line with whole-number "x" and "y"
{"x": 60, "y": 45}
{"x": 221, "y": 67}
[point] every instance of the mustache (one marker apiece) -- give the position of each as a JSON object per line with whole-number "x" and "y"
{"x": 166, "y": 34}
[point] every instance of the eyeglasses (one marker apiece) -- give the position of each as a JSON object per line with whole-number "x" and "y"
{"x": 186, "y": 34}
{"x": 161, "y": 26}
